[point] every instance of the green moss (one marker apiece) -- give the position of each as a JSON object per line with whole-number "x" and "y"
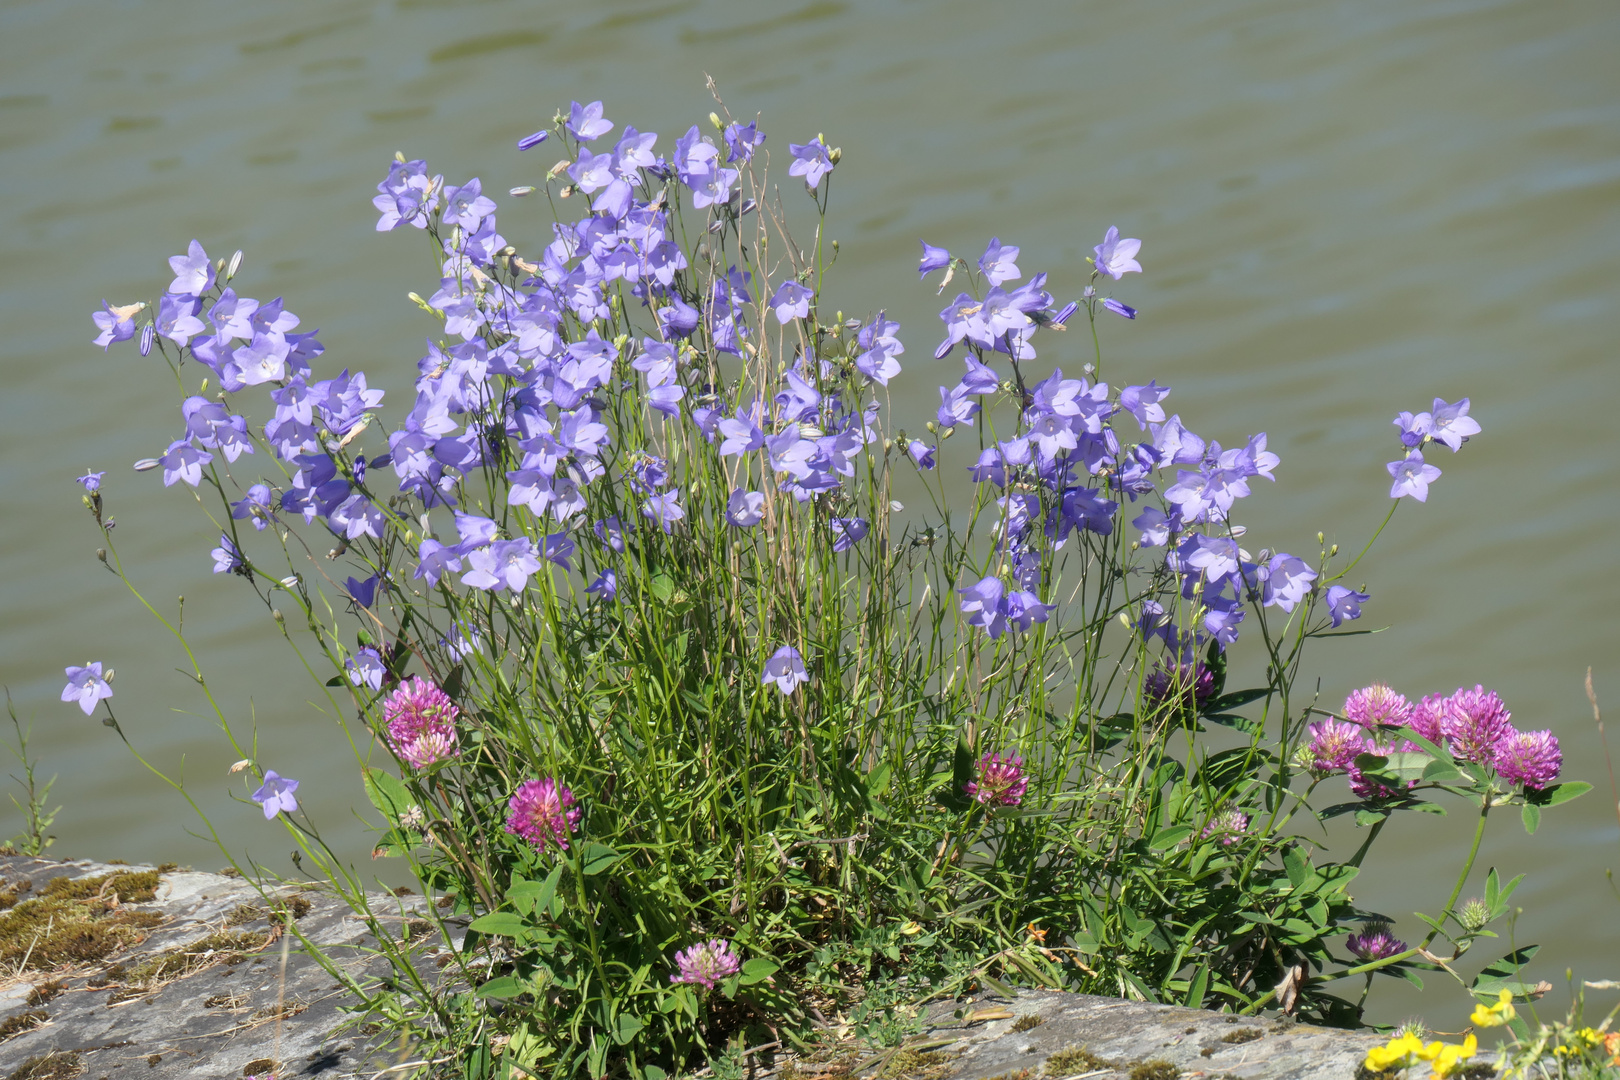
{"x": 908, "y": 1064}
{"x": 45, "y": 991}
{"x": 54, "y": 929}
{"x": 260, "y": 1067}
{"x": 244, "y": 913}
{"x": 1027, "y": 1021}
{"x": 1155, "y": 1070}
{"x": 23, "y": 1021}
{"x": 130, "y": 888}
{"x": 52, "y": 1066}
{"x": 223, "y": 947}
{"x": 1243, "y": 1035}
{"x": 10, "y": 897}
{"x": 1076, "y": 1059}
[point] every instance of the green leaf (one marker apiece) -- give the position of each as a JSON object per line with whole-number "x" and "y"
{"x": 1236, "y": 722}
{"x": 1558, "y": 793}
{"x": 452, "y": 682}
{"x": 628, "y": 1028}
{"x": 504, "y": 987}
{"x": 594, "y": 858}
{"x": 1215, "y": 662}
{"x": 1492, "y": 888}
{"x": 531, "y": 896}
{"x": 1400, "y": 767}
{"x": 504, "y": 923}
{"x": 662, "y": 586}
{"x": 757, "y": 970}
{"x": 1232, "y": 701}
{"x": 1195, "y": 993}
{"x": 1165, "y": 839}
{"x": 877, "y": 782}
{"x": 653, "y": 1072}
{"x": 336, "y": 680}
{"x": 1298, "y": 865}
{"x": 386, "y": 793}
{"x": 1497, "y": 972}
{"x": 1530, "y": 814}
{"x": 1441, "y": 772}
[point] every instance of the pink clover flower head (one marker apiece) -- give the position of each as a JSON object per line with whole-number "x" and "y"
{"x": 1377, "y": 706}
{"x": 542, "y": 812}
{"x": 1229, "y": 825}
{"x": 1334, "y": 745}
{"x": 1001, "y": 780}
{"x": 1531, "y": 758}
{"x": 707, "y": 964}
{"x": 1374, "y": 943}
{"x": 1191, "y": 684}
{"x": 1474, "y": 723}
{"x": 1427, "y": 716}
{"x": 86, "y": 686}
{"x": 421, "y": 723}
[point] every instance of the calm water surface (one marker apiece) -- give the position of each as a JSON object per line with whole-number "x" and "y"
{"x": 1347, "y": 209}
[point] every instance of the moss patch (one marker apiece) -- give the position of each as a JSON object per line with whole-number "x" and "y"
{"x": 1076, "y": 1059}
{"x": 223, "y": 947}
{"x": 908, "y": 1064}
{"x": 52, "y": 1066}
{"x": 1243, "y": 1035}
{"x": 1027, "y": 1021}
{"x": 1155, "y": 1070}
{"x": 45, "y": 991}
{"x": 23, "y": 1021}
{"x": 67, "y": 925}
{"x": 10, "y": 896}
{"x": 130, "y": 888}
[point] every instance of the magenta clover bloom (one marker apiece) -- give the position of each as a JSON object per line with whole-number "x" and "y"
{"x": 276, "y": 794}
{"x": 421, "y": 723}
{"x": 1427, "y": 715}
{"x": 1531, "y": 758}
{"x": 706, "y": 965}
{"x": 1412, "y": 477}
{"x": 1474, "y": 723}
{"x": 1334, "y": 746}
{"x": 1377, "y": 706}
{"x": 786, "y": 669}
{"x": 1116, "y": 257}
{"x": 1000, "y": 781}
{"x": 86, "y": 686}
{"x": 543, "y": 813}
{"x": 811, "y": 160}
{"x": 1228, "y": 825}
{"x": 1375, "y": 942}
{"x": 1188, "y": 684}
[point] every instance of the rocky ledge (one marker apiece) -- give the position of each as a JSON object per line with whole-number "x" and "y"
{"x": 114, "y": 972}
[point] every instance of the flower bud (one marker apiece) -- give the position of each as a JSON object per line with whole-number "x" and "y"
{"x": 519, "y": 192}
{"x": 888, "y": 444}
{"x": 566, "y": 192}
{"x": 1321, "y": 538}
{"x": 290, "y": 582}
{"x": 275, "y": 613}
{"x": 236, "y": 264}
{"x": 1089, "y": 369}
{"x": 714, "y": 118}
{"x": 109, "y": 675}
{"x": 931, "y": 427}
{"x": 101, "y": 553}
{"x": 88, "y": 505}
{"x": 1474, "y": 915}
{"x": 147, "y": 333}
{"x": 835, "y": 247}
{"x": 107, "y": 721}
{"x": 147, "y": 464}
{"x": 1334, "y": 550}
{"x": 399, "y": 156}
{"x": 835, "y": 155}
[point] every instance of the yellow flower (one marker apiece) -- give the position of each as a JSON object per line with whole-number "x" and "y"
{"x": 1397, "y": 1054}
{"x": 1450, "y": 1058}
{"x": 1494, "y": 1015}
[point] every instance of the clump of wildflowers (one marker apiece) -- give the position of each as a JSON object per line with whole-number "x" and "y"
{"x": 1375, "y": 942}
{"x": 543, "y": 813}
{"x": 421, "y": 723}
{"x": 707, "y": 964}
{"x": 1000, "y": 781}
